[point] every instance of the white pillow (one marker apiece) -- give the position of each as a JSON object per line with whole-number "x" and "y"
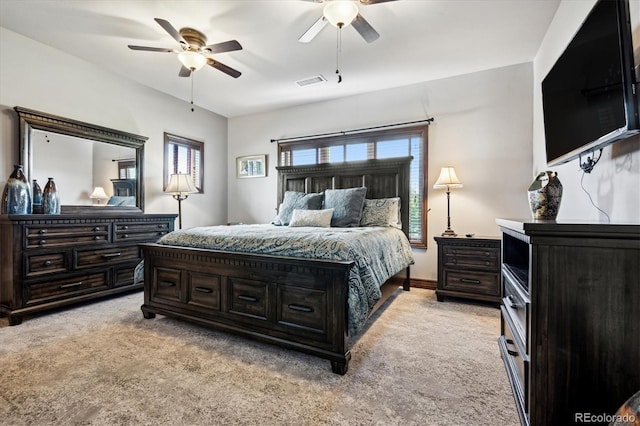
{"x": 317, "y": 218}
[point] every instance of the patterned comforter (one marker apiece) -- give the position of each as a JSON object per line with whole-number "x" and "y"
{"x": 378, "y": 253}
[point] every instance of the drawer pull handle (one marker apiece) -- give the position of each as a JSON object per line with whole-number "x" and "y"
{"x": 78, "y": 284}
{"x": 486, "y": 253}
{"x": 512, "y": 303}
{"x": 125, "y": 227}
{"x": 110, "y": 255}
{"x": 469, "y": 281}
{"x": 97, "y": 228}
{"x": 167, "y": 284}
{"x": 42, "y": 231}
{"x": 203, "y": 290}
{"x": 160, "y": 226}
{"x": 42, "y": 242}
{"x": 248, "y": 298}
{"x": 97, "y": 237}
{"x": 509, "y": 351}
{"x": 125, "y": 236}
{"x": 300, "y": 308}
{"x": 48, "y": 263}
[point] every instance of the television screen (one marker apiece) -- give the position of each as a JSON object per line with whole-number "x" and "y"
{"x": 589, "y": 96}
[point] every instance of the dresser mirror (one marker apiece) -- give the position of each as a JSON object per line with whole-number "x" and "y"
{"x": 81, "y": 158}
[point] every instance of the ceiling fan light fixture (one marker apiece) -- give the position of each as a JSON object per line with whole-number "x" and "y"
{"x": 340, "y": 13}
{"x": 192, "y": 60}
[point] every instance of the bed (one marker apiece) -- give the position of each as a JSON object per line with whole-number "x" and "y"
{"x": 269, "y": 289}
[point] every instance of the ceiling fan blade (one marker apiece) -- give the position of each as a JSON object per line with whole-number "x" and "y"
{"x": 226, "y": 46}
{"x": 313, "y": 30}
{"x": 224, "y": 68}
{"x": 365, "y": 29}
{"x": 366, "y": 2}
{"x": 151, "y": 49}
{"x": 172, "y": 31}
{"x": 184, "y": 72}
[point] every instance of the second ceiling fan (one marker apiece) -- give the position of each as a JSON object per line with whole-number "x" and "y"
{"x": 341, "y": 13}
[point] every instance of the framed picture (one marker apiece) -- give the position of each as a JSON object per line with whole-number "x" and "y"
{"x": 251, "y": 166}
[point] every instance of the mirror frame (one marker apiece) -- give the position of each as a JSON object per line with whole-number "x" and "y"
{"x": 31, "y": 120}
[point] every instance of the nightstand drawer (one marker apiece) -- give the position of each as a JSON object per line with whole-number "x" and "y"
{"x": 486, "y": 258}
{"x": 472, "y": 282}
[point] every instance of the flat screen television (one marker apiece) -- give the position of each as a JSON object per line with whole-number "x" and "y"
{"x": 589, "y": 97}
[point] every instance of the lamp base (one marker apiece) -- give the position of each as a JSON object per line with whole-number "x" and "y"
{"x": 449, "y": 233}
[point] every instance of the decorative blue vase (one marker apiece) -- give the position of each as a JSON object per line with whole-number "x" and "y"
{"x": 37, "y": 198}
{"x": 16, "y": 197}
{"x": 50, "y": 198}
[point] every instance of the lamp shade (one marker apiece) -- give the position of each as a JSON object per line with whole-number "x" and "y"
{"x": 181, "y": 184}
{"x": 98, "y": 192}
{"x": 447, "y": 179}
{"x": 340, "y": 13}
{"x": 192, "y": 60}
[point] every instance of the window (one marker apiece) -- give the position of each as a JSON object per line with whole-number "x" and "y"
{"x": 184, "y": 156}
{"x": 403, "y": 142}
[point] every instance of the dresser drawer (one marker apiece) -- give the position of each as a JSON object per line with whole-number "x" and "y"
{"x": 140, "y": 231}
{"x": 517, "y": 364}
{"x": 123, "y": 275}
{"x": 64, "y": 288}
{"x": 39, "y": 236}
{"x": 50, "y": 263}
{"x": 92, "y": 258}
{"x": 248, "y": 298}
{"x": 484, "y": 258}
{"x": 302, "y": 309}
{"x": 472, "y": 282}
{"x": 516, "y": 304}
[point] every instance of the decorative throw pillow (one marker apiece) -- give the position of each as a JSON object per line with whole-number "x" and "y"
{"x": 296, "y": 200}
{"x": 381, "y": 212}
{"x": 347, "y": 205}
{"x": 318, "y": 218}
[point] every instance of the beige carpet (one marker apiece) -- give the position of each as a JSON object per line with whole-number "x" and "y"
{"x": 420, "y": 363}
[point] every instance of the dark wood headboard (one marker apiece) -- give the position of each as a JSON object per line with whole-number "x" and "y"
{"x": 383, "y": 178}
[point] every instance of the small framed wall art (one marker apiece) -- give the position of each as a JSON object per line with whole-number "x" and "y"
{"x": 251, "y": 166}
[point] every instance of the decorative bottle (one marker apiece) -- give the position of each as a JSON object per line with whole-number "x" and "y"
{"x": 545, "y": 195}
{"x": 50, "y": 198}
{"x": 16, "y": 197}
{"x": 37, "y": 198}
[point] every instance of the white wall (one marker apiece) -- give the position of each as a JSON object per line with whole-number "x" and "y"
{"x": 36, "y": 76}
{"x": 614, "y": 182}
{"x": 482, "y": 127}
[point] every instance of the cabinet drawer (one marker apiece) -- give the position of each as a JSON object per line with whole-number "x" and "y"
{"x": 168, "y": 284}
{"x": 516, "y": 305}
{"x": 484, "y": 258}
{"x": 516, "y": 360}
{"x": 78, "y": 285}
{"x": 203, "y": 291}
{"x": 248, "y": 298}
{"x": 92, "y": 258}
{"x": 140, "y": 231}
{"x": 302, "y": 308}
{"x": 64, "y": 236}
{"x": 41, "y": 264}
{"x": 124, "y": 275}
{"x": 472, "y": 282}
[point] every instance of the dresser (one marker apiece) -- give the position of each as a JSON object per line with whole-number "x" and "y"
{"x": 48, "y": 261}
{"x": 469, "y": 267}
{"x": 570, "y": 319}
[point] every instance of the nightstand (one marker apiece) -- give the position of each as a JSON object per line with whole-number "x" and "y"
{"x": 469, "y": 267}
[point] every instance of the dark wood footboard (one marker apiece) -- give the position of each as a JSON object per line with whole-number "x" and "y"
{"x": 295, "y": 303}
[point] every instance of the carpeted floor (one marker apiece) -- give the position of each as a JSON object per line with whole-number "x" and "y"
{"x": 420, "y": 363}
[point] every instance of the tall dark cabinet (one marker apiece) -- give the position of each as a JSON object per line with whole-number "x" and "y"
{"x": 570, "y": 330}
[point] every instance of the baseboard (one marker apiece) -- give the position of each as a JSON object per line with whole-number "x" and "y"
{"x": 420, "y": 283}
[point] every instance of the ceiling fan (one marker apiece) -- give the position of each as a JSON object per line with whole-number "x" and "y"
{"x": 341, "y": 13}
{"x": 194, "y": 51}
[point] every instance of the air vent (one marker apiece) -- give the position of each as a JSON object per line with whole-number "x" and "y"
{"x": 318, "y": 79}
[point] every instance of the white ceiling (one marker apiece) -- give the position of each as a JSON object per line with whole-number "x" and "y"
{"x": 420, "y": 40}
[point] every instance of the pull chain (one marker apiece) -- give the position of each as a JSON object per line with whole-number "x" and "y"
{"x": 192, "y": 73}
{"x": 338, "y": 51}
